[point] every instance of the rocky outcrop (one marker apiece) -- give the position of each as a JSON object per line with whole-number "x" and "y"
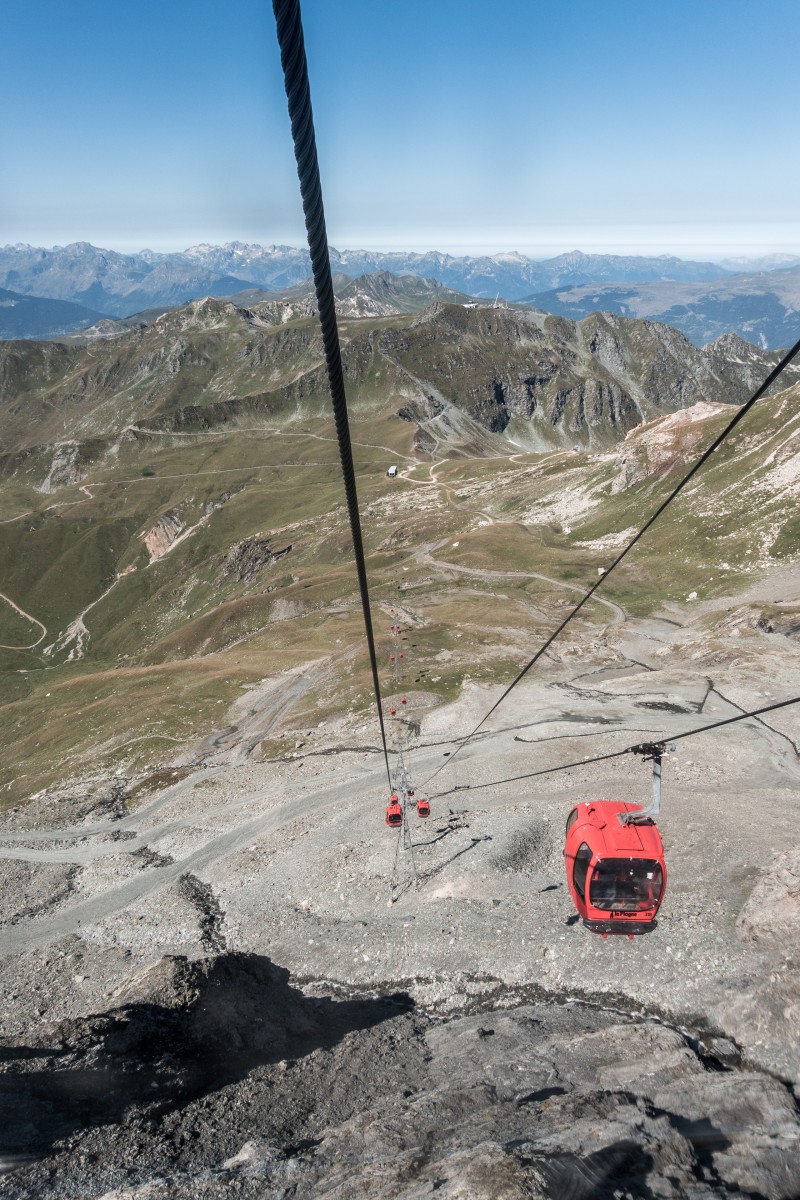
{"x": 653, "y": 449}
{"x": 161, "y": 537}
{"x": 771, "y": 916}
{"x": 588, "y": 403}
{"x": 590, "y": 382}
{"x": 247, "y": 558}
{"x": 219, "y": 1077}
{"x": 65, "y": 468}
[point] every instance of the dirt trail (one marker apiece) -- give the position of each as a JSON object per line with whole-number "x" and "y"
{"x": 27, "y": 617}
{"x": 273, "y": 432}
{"x": 118, "y": 898}
{"x": 424, "y": 557}
{"x": 260, "y": 712}
{"x": 424, "y": 554}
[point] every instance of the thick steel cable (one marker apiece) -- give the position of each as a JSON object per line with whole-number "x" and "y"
{"x": 587, "y": 762}
{"x": 298, "y": 94}
{"x": 740, "y": 413}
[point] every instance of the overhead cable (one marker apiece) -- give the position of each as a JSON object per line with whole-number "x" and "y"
{"x": 740, "y": 413}
{"x": 637, "y": 749}
{"x": 298, "y": 94}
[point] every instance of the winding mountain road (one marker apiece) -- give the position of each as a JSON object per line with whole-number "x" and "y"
{"x": 424, "y": 554}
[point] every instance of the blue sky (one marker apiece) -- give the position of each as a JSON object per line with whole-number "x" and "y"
{"x": 605, "y": 125}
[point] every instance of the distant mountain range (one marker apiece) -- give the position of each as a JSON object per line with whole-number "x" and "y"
{"x": 702, "y": 299}
{"x": 762, "y": 307}
{"x": 111, "y": 283}
{"x": 122, "y": 284}
{"x": 511, "y": 275}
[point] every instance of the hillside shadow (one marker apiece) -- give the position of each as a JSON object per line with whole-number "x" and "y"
{"x": 212, "y": 1023}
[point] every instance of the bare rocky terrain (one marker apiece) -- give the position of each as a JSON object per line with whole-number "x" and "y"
{"x": 242, "y": 983}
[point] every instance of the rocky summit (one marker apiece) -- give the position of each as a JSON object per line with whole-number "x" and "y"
{"x": 232, "y": 1081}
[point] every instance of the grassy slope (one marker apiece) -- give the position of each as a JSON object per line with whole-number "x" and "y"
{"x": 171, "y": 643}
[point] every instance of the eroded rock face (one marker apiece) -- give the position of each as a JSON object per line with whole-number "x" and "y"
{"x": 246, "y": 559}
{"x": 217, "y": 1077}
{"x": 596, "y": 379}
{"x": 653, "y": 449}
{"x": 424, "y": 442}
{"x": 171, "y": 982}
{"x": 65, "y": 469}
{"x": 160, "y": 538}
{"x": 766, "y": 1009}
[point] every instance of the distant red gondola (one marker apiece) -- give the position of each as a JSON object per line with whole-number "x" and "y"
{"x": 616, "y": 872}
{"x": 394, "y": 812}
{"x": 423, "y": 808}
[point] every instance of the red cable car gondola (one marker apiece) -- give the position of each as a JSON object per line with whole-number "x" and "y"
{"x": 423, "y": 808}
{"x": 615, "y": 867}
{"x": 394, "y": 812}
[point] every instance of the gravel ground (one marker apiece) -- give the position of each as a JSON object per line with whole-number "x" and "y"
{"x": 241, "y": 865}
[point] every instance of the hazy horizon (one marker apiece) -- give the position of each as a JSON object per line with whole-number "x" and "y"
{"x": 716, "y": 255}
{"x": 466, "y": 128}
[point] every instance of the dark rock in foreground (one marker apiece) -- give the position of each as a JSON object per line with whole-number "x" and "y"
{"x": 218, "y": 1078}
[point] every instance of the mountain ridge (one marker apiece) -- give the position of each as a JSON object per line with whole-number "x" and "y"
{"x": 24, "y": 316}
{"x": 83, "y": 273}
{"x": 702, "y": 299}
{"x": 457, "y": 374}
